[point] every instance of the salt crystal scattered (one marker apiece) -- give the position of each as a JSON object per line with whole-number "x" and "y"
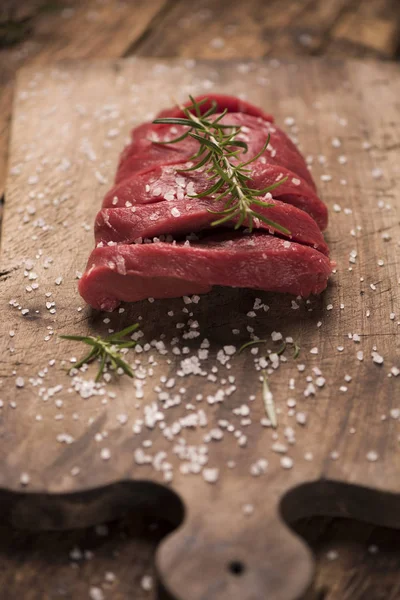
{"x": 24, "y": 479}
{"x": 286, "y": 462}
{"x": 105, "y": 454}
{"x": 301, "y": 418}
{"x": 146, "y": 583}
{"x": 372, "y": 456}
{"x": 377, "y": 173}
{"x": 377, "y": 358}
{"x": 248, "y": 509}
{"x": 210, "y": 475}
{"x": 96, "y": 593}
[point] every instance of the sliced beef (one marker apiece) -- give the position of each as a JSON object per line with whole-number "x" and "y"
{"x": 143, "y": 154}
{"x": 131, "y": 272}
{"x": 152, "y": 202}
{"x": 294, "y": 190}
{"x": 168, "y": 182}
{"x": 179, "y": 217}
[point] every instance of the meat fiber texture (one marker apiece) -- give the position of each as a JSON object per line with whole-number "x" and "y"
{"x": 153, "y": 239}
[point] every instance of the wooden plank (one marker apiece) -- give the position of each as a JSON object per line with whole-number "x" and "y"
{"x": 252, "y": 29}
{"x": 354, "y": 561}
{"x": 277, "y": 28}
{"x": 81, "y": 29}
{"x": 310, "y": 31}
{"x": 84, "y": 104}
{"x": 222, "y": 30}
{"x": 76, "y": 563}
{"x": 373, "y": 26}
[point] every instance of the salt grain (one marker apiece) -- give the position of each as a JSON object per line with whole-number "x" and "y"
{"x": 96, "y": 593}
{"x": 147, "y": 583}
{"x": 210, "y": 475}
{"x": 377, "y": 358}
{"x": 372, "y": 456}
{"x": 105, "y": 454}
{"x": 24, "y": 479}
{"x": 286, "y": 462}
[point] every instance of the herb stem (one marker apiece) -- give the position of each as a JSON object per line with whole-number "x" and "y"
{"x": 218, "y": 145}
{"x": 107, "y": 349}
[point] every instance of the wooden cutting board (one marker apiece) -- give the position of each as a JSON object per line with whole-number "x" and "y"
{"x": 72, "y": 457}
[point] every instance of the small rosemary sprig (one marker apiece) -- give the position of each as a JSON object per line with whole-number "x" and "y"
{"x": 107, "y": 349}
{"x": 219, "y": 145}
{"x": 282, "y": 349}
{"x": 251, "y": 343}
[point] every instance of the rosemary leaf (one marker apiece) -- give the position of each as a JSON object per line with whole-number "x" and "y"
{"x": 107, "y": 349}
{"x": 281, "y": 349}
{"x": 124, "y": 332}
{"x": 123, "y": 365}
{"x": 87, "y": 359}
{"x": 102, "y": 366}
{"x": 251, "y": 343}
{"x": 197, "y": 165}
{"x": 177, "y": 121}
{"x": 124, "y": 344}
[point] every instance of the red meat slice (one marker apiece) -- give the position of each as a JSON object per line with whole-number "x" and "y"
{"x": 177, "y": 217}
{"x": 143, "y": 155}
{"x": 294, "y": 190}
{"x": 156, "y": 185}
{"x": 259, "y": 261}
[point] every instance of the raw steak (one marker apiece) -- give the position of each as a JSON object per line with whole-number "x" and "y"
{"x": 166, "y": 182}
{"x": 155, "y": 240}
{"x": 143, "y": 154}
{"x": 132, "y": 272}
{"x": 126, "y": 225}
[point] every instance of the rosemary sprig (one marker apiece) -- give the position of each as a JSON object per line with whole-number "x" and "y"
{"x": 269, "y": 404}
{"x": 251, "y": 343}
{"x": 219, "y": 146}
{"x": 107, "y": 349}
{"x": 281, "y": 350}
{"x": 296, "y": 350}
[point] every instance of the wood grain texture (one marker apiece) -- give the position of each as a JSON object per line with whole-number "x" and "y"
{"x": 374, "y": 26}
{"x": 117, "y": 559}
{"x": 354, "y": 562}
{"x": 44, "y": 31}
{"x": 63, "y": 179}
{"x": 76, "y": 29}
{"x": 224, "y": 29}
{"x": 227, "y": 29}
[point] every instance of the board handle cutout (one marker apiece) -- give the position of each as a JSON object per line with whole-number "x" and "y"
{"x": 222, "y": 557}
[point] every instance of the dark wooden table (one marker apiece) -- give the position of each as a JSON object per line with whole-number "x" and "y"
{"x": 355, "y": 561}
